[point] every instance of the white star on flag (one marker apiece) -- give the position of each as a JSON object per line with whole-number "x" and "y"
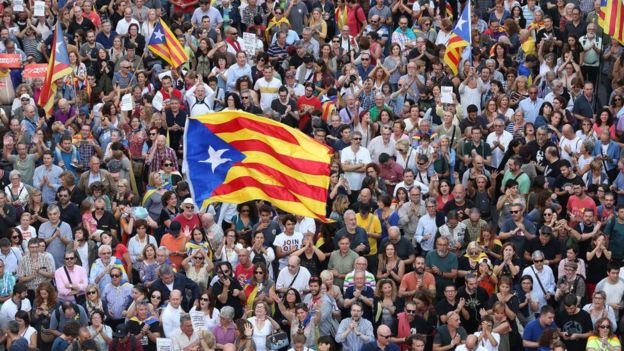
{"x": 460, "y": 24}
{"x": 215, "y": 159}
{"x": 159, "y": 35}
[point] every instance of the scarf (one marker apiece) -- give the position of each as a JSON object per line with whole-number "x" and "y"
{"x": 235, "y": 44}
{"x": 403, "y": 329}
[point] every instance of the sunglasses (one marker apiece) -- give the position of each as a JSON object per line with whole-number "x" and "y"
{"x": 168, "y": 164}
{"x": 204, "y": 299}
{"x": 115, "y": 275}
{"x": 547, "y": 214}
{"x": 356, "y": 139}
{"x": 15, "y": 237}
{"x": 259, "y": 272}
{"x": 514, "y": 212}
{"x": 411, "y": 311}
{"x": 538, "y": 261}
{"x": 245, "y": 97}
{"x": 604, "y": 326}
{"x": 99, "y": 208}
{"x": 156, "y": 297}
{"x": 70, "y": 258}
{"x": 93, "y": 292}
{"x": 153, "y": 134}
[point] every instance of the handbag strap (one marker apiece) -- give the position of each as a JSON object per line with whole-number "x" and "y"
{"x": 539, "y": 281}
{"x": 67, "y": 273}
{"x": 295, "y": 278}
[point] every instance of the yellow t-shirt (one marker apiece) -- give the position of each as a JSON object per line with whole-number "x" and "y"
{"x": 371, "y": 225}
{"x": 594, "y": 343}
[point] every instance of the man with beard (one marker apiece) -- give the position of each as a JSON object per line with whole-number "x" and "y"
{"x": 442, "y": 264}
{"x": 144, "y": 327}
{"x": 355, "y": 331}
{"x": 70, "y": 212}
{"x": 409, "y": 323}
{"x": 565, "y": 182}
{"x": 517, "y": 228}
{"x": 418, "y": 280}
{"x": 459, "y": 203}
{"x": 575, "y": 323}
{"x": 538, "y": 147}
{"x": 578, "y": 204}
{"x": 585, "y": 230}
{"x": 606, "y": 210}
{"x": 475, "y": 298}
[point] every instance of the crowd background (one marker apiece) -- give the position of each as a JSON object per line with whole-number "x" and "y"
{"x": 479, "y": 218}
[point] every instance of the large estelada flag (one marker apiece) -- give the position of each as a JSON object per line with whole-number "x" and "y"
{"x": 165, "y": 44}
{"x": 58, "y": 68}
{"x": 234, "y": 157}
{"x": 611, "y": 19}
{"x": 459, "y": 40}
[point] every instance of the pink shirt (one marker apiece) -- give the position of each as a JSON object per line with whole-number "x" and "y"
{"x": 78, "y": 278}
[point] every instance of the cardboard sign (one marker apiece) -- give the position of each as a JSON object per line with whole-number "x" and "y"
{"x": 10, "y": 61}
{"x": 39, "y": 10}
{"x": 164, "y": 344}
{"x": 197, "y": 318}
{"x": 18, "y": 5}
{"x": 35, "y": 70}
{"x": 127, "y": 104}
{"x": 249, "y": 43}
{"x": 447, "y": 95}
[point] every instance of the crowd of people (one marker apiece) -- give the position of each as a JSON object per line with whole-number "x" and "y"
{"x": 477, "y": 211}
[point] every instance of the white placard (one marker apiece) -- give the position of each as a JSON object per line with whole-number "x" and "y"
{"x": 127, "y": 104}
{"x": 18, "y": 5}
{"x": 164, "y": 344}
{"x": 39, "y": 8}
{"x": 249, "y": 43}
{"x": 447, "y": 95}
{"x": 197, "y": 318}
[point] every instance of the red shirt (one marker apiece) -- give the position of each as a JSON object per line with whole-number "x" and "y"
{"x": 166, "y": 97}
{"x": 304, "y": 101}
{"x": 244, "y": 274}
{"x": 576, "y": 207}
{"x": 185, "y": 223}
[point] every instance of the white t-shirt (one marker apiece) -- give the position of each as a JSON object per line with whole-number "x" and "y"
{"x": 259, "y": 335}
{"x": 497, "y": 153}
{"x": 297, "y": 281}
{"x": 486, "y": 343}
{"x": 268, "y": 91}
{"x": 286, "y": 243}
{"x": 362, "y": 156}
{"x": 574, "y": 144}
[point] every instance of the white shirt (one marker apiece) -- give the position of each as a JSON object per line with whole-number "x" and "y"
{"x": 199, "y": 108}
{"x": 485, "y": 343}
{"x": 548, "y": 282}
{"x": 286, "y": 243}
{"x": 170, "y": 318}
{"x": 11, "y": 260}
{"x": 297, "y": 281}
{"x": 9, "y": 309}
{"x": 426, "y": 225}
{"x": 181, "y": 340}
{"x": 462, "y": 347}
{"x": 268, "y": 91}
{"x": 574, "y": 144}
{"x": 305, "y": 225}
{"x": 123, "y": 24}
{"x": 497, "y": 154}
{"x": 377, "y": 147}
{"x": 362, "y": 156}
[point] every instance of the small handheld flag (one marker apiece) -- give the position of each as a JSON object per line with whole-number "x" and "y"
{"x": 165, "y": 44}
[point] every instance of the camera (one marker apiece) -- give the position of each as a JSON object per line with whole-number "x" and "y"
{"x": 352, "y": 78}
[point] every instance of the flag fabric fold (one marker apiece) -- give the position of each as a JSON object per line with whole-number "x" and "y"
{"x": 165, "y": 44}
{"x": 611, "y": 19}
{"x": 459, "y": 40}
{"x": 58, "y": 68}
{"x": 235, "y": 157}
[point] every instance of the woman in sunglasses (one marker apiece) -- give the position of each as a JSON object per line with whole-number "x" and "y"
{"x": 94, "y": 300}
{"x": 206, "y": 305}
{"x": 156, "y": 302}
{"x": 198, "y": 266}
{"x": 603, "y": 338}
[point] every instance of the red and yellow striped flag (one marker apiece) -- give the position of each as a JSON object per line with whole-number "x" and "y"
{"x": 58, "y": 68}
{"x": 165, "y": 44}
{"x": 235, "y": 157}
{"x": 611, "y": 19}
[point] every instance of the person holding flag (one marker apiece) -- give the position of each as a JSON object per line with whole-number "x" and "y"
{"x": 459, "y": 40}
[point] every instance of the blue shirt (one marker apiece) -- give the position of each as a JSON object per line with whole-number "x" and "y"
{"x": 106, "y": 41}
{"x": 530, "y": 108}
{"x": 48, "y": 191}
{"x": 59, "y": 344}
{"x": 373, "y": 346}
{"x": 533, "y": 330}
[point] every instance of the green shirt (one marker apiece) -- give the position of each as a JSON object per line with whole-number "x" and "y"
{"x": 343, "y": 264}
{"x": 445, "y": 264}
{"x": 524, "y": 183}
{"x": 482, "y": 149}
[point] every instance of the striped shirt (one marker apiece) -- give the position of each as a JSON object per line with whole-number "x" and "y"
{"x": 29, "y": 266}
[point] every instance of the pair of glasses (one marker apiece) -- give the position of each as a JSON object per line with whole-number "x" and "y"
{"x": 410, "y": 311}
{"x": 538, "y": 261}
{"x": 92, "y": 292}
{"x": 604, "y": 326}
{"x": 259, "y": 272}
{"x": 15, "y": 237}
{"x": 514, "y": 212}
{"x": 356, "y": 139}
{"x": 204, "y": 299}
{"x": 70, "y": 258}
{"x": 99, "y": 208}
{"x": 168, "y": 164}
{"x": 115, "y": 275}
{"x": 245, "y": 97}
{"x": 153, "y": 134}
{"x": 156, "y": 297}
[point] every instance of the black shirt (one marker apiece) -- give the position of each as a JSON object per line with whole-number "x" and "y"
{"x": 474, "y": 302}
{"x": 107, "y": 222}
{"x": 71, "y": 214}
{"x": 86, "y": 25}
{"x": 443, "y": 307}
{"x": 134, "y": 327}
{"x": 279, "y": 107}
{"x": 578, "y": 323}
{"x": 232, "y": 301}
{"x": 537, "y": 151}
{"x": 460, "y": 209}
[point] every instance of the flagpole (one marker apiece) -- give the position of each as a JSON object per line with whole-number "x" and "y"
{"x": 134, "y": 71}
